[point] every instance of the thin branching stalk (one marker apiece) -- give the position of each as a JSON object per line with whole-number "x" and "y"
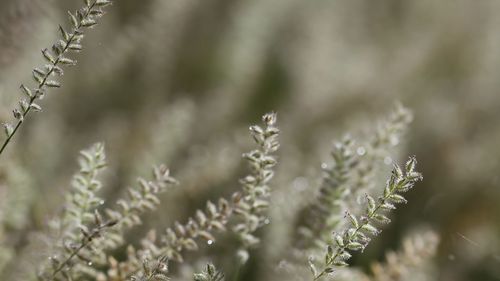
{"x": 140, "y": 200}
{"x": 346, "y": 180}
{"x": 356, "y": 237}
{"x": 86, "y": 235}
{"x": 245, "y": 212}
{"x": 153, "y": 272}
{"x": 83, "y": 18}
{"x": 254, "y": 201}
{"x": 87, "y": 239}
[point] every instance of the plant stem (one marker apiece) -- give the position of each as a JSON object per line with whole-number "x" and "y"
{"x": 85, "y": 242}
{"x": 341, "y": 249}
{"x": 76, "y": 30}
{"x": 237, "y": 273}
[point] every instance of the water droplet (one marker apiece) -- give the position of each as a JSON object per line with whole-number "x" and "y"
{"x": 89, "y": 263}
{"x": 324, "y": 166}
{"x": 210, "y": 242}
{"x": 267, "y": 221}
{"x": 101, "y": 202}
{"x": 361, "y": 151}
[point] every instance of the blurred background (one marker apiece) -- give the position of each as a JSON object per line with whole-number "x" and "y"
{"x": 179, "y": 82}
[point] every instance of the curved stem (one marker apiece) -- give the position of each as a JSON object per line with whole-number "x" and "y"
{"x": 41, "y": 85}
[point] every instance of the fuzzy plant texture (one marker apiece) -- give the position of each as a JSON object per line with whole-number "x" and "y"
{"x": 100, "y": 229}
{"x": 55, "y": 58}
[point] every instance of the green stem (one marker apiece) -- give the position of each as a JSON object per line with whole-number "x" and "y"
{"x": 237, "y": 273}
{"x": 370, "y": 216}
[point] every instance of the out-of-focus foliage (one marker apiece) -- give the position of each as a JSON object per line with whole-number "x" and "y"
{"x": 177, "y": 82}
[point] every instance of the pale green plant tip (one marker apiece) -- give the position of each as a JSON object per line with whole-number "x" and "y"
{"x": 57, "y": 56}
{"x": 87, "y": 234}
{"x": 357, "y": 236}
{"x": 210, "y": 273}
{"x": 157, "y": 271}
